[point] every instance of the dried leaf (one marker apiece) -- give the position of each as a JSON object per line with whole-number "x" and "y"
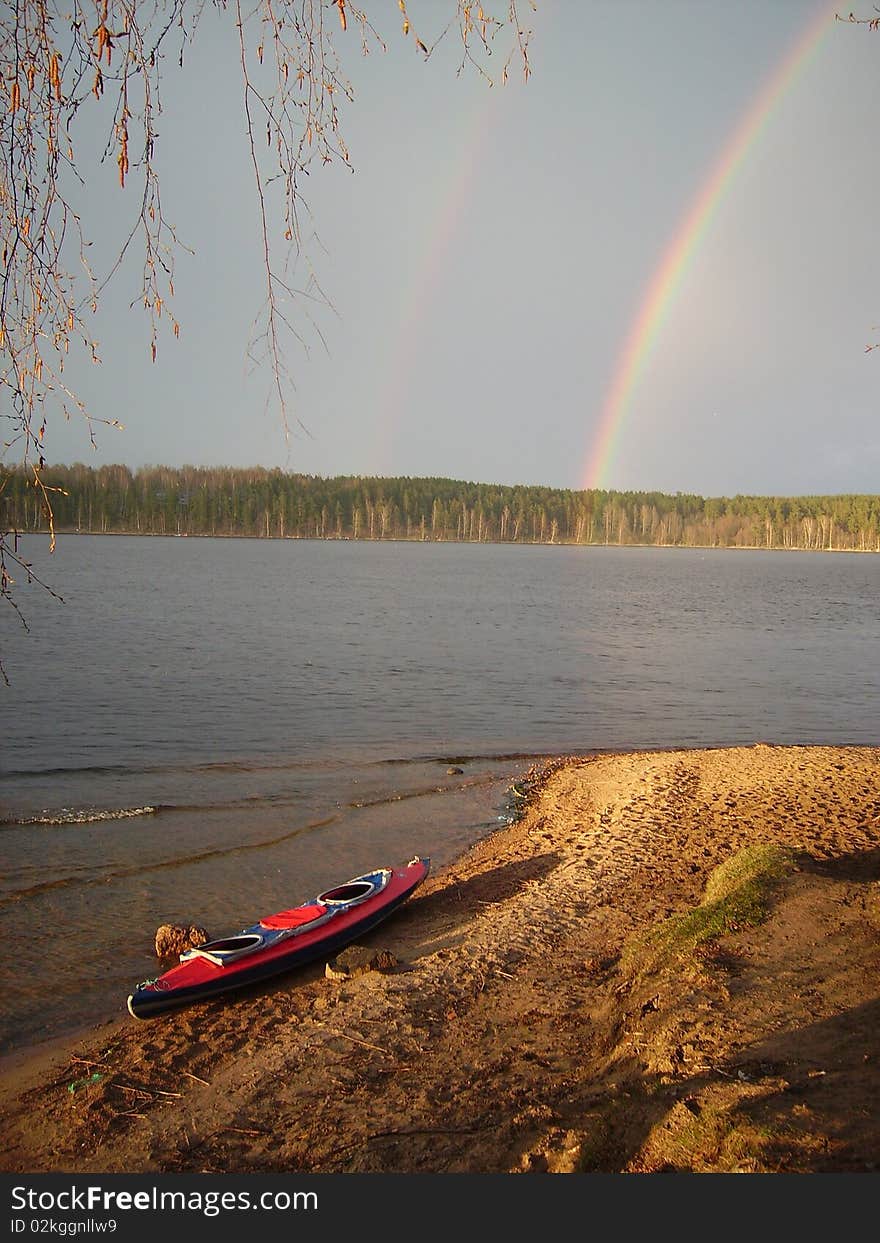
{"x": 54, "y": 74}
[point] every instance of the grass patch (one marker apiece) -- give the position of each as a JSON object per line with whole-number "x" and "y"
{"x": 717, "y": 1139}
{"x": 738, "y": 895}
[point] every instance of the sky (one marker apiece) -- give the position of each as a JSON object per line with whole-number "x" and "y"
{"x": 653, "y": 266}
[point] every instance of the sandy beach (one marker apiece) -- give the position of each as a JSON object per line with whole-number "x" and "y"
{"x": 528, "y": 1026}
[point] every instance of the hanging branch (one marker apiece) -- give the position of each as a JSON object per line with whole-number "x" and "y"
{"x": 106, "y": 57}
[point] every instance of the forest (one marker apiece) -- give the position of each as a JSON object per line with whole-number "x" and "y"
{"x": 272, "y": 504}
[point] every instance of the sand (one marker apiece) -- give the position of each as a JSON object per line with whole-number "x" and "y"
{"x": 513, "y": 1036}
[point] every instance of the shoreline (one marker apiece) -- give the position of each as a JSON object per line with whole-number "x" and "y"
{"x": 398, "y": 539}
{"x": 514, "y": 1037}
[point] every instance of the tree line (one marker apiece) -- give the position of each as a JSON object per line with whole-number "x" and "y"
{"x": 263, "y": 503}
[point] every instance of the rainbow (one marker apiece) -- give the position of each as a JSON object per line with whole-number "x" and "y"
{"x": 425, "y": 281}
{"x": 667, "y": 279}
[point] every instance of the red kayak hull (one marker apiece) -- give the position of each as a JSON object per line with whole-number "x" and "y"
{"x": 197, "y": 978}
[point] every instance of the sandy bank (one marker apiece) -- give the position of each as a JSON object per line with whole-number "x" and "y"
{"x": 513, "y": 1037}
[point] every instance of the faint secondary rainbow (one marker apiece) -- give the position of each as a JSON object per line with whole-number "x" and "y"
{"x": 401, "y": 365}
{"x": 670, "y": 272}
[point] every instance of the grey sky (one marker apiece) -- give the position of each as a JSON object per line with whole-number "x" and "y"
{"x": 488, "y": 256}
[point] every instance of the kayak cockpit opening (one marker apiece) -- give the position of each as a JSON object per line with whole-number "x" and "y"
{"x": 357, "y": 890}
{"x": 227, "y": 949}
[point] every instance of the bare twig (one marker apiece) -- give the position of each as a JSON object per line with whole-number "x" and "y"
{"x": 107, "y": 58}
{"x": 354, "y": 1039}
{"x": 148, "y": 1092}
{"x": 190, "y": 1075}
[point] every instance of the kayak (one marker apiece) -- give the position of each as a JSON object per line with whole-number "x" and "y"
{"x": 280, "y": 942}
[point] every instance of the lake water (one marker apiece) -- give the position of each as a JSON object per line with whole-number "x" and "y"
{"x": 211, "y": 730}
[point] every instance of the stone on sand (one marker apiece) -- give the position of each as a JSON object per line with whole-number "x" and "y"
{"x": 173, "y": 939}
{"x": 358, "y": 960}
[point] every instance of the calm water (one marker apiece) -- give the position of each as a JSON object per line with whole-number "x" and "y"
{"x": 210, "y": 730}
